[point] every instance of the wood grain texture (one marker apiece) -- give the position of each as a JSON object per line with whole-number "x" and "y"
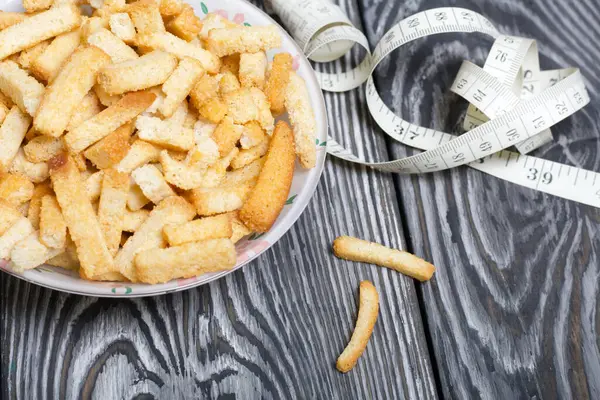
{"x": 513, "y": 307}
{"x": 271, "y": 330}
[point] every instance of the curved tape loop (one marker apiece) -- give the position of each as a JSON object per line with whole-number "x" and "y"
{"x": 512, "y": 102}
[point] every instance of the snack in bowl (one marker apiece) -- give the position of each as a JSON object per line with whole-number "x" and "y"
{"x": 140, "y": 144}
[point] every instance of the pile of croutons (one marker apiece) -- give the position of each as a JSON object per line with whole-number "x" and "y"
{"x": 140, "y": 143}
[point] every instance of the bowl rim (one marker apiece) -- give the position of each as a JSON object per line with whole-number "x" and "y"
{"x": 309, "y": 188}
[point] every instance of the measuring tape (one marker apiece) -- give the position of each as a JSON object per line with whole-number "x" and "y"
{"x": 512, "y": 102}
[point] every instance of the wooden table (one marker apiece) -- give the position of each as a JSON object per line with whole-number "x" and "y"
{"x": 511, "y": 312}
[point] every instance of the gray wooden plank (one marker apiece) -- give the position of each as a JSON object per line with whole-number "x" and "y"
{"x": 272, "y": 330}
{"x": 513, "y": 307}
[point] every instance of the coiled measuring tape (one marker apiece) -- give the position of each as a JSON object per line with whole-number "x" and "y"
{"x": 513, "y": 102}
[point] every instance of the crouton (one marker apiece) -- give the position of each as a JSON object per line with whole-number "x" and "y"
{"x": 243, "y": 39}
{"x": 37, "y": 28}
{"x": 12, "y": 133}
{"x": 140, "y": 153}
{"x": 46, "y": 65}
{"x": 53, "y": 228}
{"x": 144, "y": 72}
{"x": 35, "y": 172}
{"x": 181, "y": 49}
{"x": 153, "y": 183}
{"x": 122, "y": 26}
{"x": 112, "y": 45}
{"x": 186, "y": 25}
{"x": 277, "y": 82}
{"x": 216, "y": 227}
{"x": 111, "y": 211}
{"x": 68, "y": 89}
{"x": 253, "y": 67}
{"x": 112, "y": 149}
{"x": 185, "y": 261}
{"x": 302, "y": 118}
{"x": 80, "y": 217}
{"x": 172, "y": 210}
{"x": 268, "y": 197}
{"x": 22, "y": 88}
{"x": 102, "y": 124}
{"x": 179, "y": 85}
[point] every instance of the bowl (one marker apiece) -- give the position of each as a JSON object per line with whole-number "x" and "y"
{"x": 303, "y": 184}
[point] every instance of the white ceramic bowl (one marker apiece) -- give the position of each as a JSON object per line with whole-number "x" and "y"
{"x": 303, "y": 185}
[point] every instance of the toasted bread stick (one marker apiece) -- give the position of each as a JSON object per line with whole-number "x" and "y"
{"x": 105, "y": 99}
{"x": 206, "y": 88}
{"x": 247, "y": 173}
{"x": 252, "y": 136}
{"x": 26, "y": 57}
{"x": 173, "y": 210}
{"x": 136, "y": 198}
{"x": 277, "y": 82}
{"x": 80, "y": 217}
{"x": 186, "y": 25}
{"x": 22, "y": 89}
{"x": 113, "y": 202}
{"x": 12, "y": 132}
{"x": 38, "y": 28}
{"x": 68, "y": 89}
{"x": 211, "y": 201}
{"x": 140, "y": 153}
{"x": 243, "y": 39}
{"x": 226, "y": 135}
{"x": 146, "y": 17}
{"x": 169, "y": 8}
{"x": 180, "y": 48}
{"x": 92, "y": 185}
{"x": 89, "y": 106}
{"x": 216, "y": 227}
{"x": 253, "y": 67}
{"x": 108, "y": 151}
{"x": 185, "y": 261}
{"x": 368, "y": 310}
{"x": 302, "y": 119}
{"x": 228, "y": 82}
{"x": 53, "y": 228}
{"x": 47, "y": 65}
{"x": 122, "y": 26}
{"x": 179, "y": 85}
{"x": 67, "y": 259}
{"x": 102, "y": 124}
{"x": 149, "y": 70}
{"x": 4, "y": 110}
{"x": 354, "y": 249}
{"x": 112, "y": 45}
{"x": 274, "y": 181}
{"x": 164, "y": 134}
